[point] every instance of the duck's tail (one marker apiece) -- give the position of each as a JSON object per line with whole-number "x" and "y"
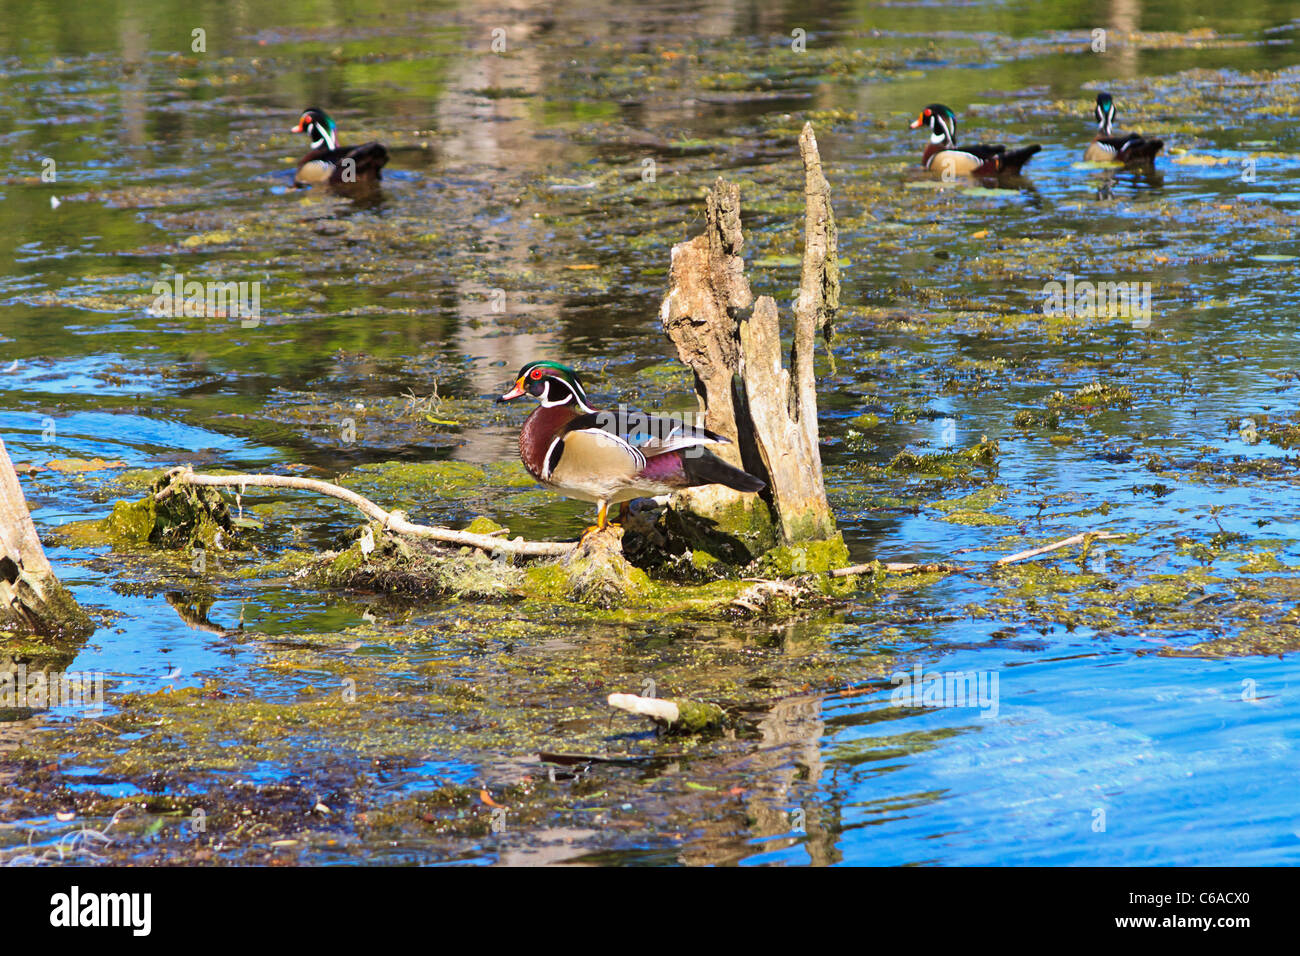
{"x": 1143, "y": 151}
{"x": 707, "y": 468}
{"x": 1013, "y": 159}
{"x": 369, "y": 159}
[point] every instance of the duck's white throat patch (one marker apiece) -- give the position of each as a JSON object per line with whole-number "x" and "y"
{"x": 321, "y": 137}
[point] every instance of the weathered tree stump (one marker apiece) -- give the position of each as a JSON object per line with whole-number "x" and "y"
{"x": 31, "y": 597}
{"x": 745, "y": 394}
{"x": 707, "y": 294}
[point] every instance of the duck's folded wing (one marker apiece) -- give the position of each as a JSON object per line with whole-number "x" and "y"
{"x": 1119, "y": 143}
{"x": 368, "y": 158}
{"x": 649, "y": 435}
{"x": 662, "y": 435}
{"x": 579, "y": 454}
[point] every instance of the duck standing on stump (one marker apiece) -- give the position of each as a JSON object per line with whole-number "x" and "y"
{"x": 943, "y": 157}
{"x": 331, "y": 164}
{"x": 1106, "y": 147}
{"x": 586, "y": 454}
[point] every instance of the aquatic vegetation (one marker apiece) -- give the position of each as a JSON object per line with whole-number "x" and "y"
{"x": 190, "y": 517}
{"x": 946, "y": 464}
{"x": 394, "y": 703}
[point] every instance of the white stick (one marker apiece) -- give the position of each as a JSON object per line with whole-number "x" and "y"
{"x": 901, "y": 568}
{"x": 394, "y": 521}
{"x": 1063, "y": 543}
{"x": 664, "y": 710}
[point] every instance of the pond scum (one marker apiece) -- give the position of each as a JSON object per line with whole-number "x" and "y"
{"x": 470, "y": 707}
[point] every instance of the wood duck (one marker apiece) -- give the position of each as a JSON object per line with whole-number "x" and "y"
{"x": 609, "y": 457}
{"x": 943, "y": 157}
{"x": 1106, "y": 147}
{"x": 327, "y": 161}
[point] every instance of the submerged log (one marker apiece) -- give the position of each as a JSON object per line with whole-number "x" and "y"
{"x": 31, "y": 597}
{"x": 744, "y": 391}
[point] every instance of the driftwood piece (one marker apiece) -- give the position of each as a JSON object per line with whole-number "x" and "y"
{"x": 944, "y": 568}
{"x": 677, "y": 716}
{"x": 31, "y": 597}
{"x": 1055, "y": 545}
{"x": 394, "y": 521}
{"x": 745, "y": 392}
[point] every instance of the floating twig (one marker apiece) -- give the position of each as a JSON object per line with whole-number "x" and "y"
{"x": 939, "y": 567}
{"x": 1063, "y": 543}
{"x": 897, "y": 567}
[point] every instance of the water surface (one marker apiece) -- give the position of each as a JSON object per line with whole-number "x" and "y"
{"x": 1147, "y": 693}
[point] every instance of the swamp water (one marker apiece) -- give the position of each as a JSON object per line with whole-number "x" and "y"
{"x": 1134, "y": 702}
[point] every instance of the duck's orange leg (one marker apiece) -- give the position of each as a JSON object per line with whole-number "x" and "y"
{"x": 602, "y": 520}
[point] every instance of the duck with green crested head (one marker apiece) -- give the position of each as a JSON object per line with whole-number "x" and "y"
{"x": 945, "y": 158}
{"x": 330, "y": 164}
{"x": 1106, "y": 147}
{"x": 608, "y": 457}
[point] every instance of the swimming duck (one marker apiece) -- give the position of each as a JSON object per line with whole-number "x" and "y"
{"x": 943, "y": 157}
{"x": 1106, "y": 147}
{"x": 328, "y": 163}
{"x": 611, "y": 457}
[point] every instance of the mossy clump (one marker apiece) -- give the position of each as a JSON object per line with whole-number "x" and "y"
{"x": 1092, "y": 397}
{"x": 804, "y": 557}
{"x": 546, "y": 581}
{"x": 978, "y": 519}
{"x": 947, "y": 464}
{"x": 1262, "y": 562}
{"x": 1026, "y": 419}
{"x": 697, "y": 717}
{"x": 980, "y": 500}
{"x": 1166, "y": 590}
{"x": 1284, "y": 434}
{"x": 131, "y": 522}
{"x": 1089, "y": 400}
{"x": 597, "y": 574}
{"x": 482, "y": 525}
{"x": 191, "y": 516}
{"x": 377, "y": 560}
{"x": 703, "y": 561}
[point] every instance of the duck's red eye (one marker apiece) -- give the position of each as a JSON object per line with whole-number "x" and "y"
{"x": 537, "y": 373}
{"x": 927, "y": 112}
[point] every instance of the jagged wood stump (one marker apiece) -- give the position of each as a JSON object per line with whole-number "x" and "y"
{"x": 707, "y": 294}
{"x": 31, "y": 597}
{"x": 744, "y": 392}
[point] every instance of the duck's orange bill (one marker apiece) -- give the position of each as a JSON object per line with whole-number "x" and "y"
{"x": 299, "y": 128}
{"x": 514, "y": 392}
{"x": 918, "y": 122}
